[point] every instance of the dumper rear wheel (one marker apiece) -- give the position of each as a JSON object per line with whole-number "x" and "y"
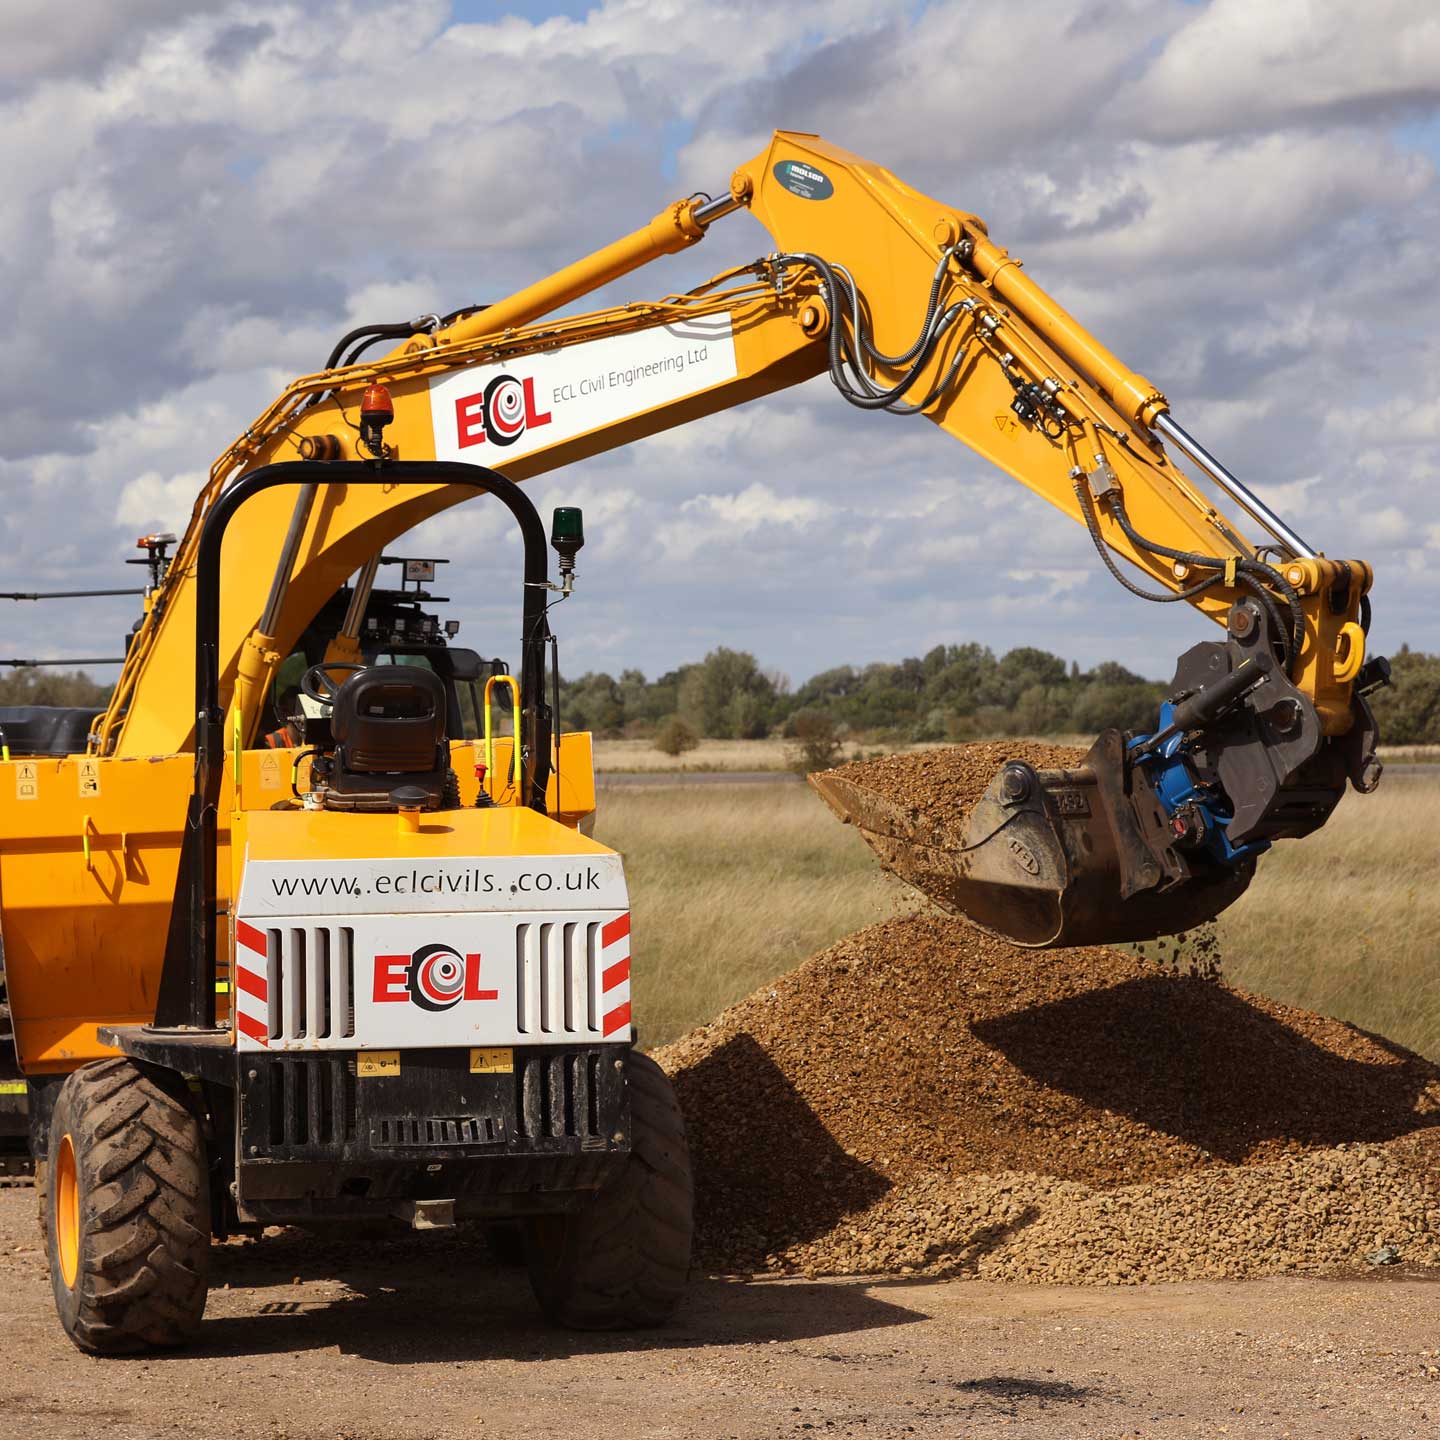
{"x": 127, "y": 1211}
{"x": 621, "y": 1262}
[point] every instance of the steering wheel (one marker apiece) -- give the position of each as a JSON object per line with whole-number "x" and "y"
{"x": 317, "y": 684}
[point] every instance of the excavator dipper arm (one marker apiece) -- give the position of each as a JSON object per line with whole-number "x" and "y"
{"x": 911, "y": 308}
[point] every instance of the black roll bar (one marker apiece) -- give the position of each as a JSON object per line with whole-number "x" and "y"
{"x": 187, "y": 980}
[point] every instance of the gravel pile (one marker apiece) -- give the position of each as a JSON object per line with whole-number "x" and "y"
{"x": 922, "y": 1097}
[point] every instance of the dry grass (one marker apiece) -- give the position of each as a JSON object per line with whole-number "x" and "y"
{"x": 1410, "y": 754}
{"x": 619, "y": 757}
{"x": 1347, "y": 921}
{"x": 734, "y": 885}
{"x": 641, "y": 756}
{"x": 730, "y": 886}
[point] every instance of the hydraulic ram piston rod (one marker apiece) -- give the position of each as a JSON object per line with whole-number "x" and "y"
{"x": 1241, "y": 494}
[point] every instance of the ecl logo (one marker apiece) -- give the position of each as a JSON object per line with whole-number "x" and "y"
{"x": 500, "y": 413}
{"x": 434, "y": 977}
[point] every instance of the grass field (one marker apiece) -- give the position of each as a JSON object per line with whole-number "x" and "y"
{"x": 730, "y": 886}
{"x": 641, "y": 756}
{"x": 733, "y": 885}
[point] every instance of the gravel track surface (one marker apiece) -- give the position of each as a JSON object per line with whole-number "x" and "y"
{"x": 391, "y": 1337}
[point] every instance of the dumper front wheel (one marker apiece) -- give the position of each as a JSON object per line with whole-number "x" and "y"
{"x": 621, "y": 1262}
{"x": 127, "y": 1211}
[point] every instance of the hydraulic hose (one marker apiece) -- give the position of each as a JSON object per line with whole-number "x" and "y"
{"x": 1249, "y": 573}
{"x": 850, "y": 344}
{"x": 1160, "y": 597}
{"x": 368, "y": 333}
{"x": 850, "y": 347}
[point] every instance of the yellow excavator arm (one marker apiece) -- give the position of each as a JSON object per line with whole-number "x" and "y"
{"x": 910, "y": 307}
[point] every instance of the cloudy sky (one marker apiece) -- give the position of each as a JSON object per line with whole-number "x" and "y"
{"x": 1240, "y": 198}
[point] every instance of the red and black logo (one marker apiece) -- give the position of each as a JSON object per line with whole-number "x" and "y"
{"x": 434, "y": 977}
{"x": 500, "y": 413}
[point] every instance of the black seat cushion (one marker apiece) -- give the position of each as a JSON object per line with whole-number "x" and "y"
{"x": 389, "y": 719}
{"x": 47, "y": 729}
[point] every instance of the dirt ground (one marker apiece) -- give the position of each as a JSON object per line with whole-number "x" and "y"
{"x": 427, "y": 1338}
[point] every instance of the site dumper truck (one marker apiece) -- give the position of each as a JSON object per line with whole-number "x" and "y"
{"x": 381, "y": 995}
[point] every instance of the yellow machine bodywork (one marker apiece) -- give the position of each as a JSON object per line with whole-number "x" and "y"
{"x": 90, "y": 847}
{"x": 891, "y": 238}
{"x": 87, "y": 877}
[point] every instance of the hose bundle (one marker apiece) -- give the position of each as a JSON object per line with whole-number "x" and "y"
{"x": 853, "y": 352}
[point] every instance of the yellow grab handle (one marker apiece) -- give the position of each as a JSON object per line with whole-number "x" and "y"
{"x": 514, "y": 685}
{"x": 237, "y": 747}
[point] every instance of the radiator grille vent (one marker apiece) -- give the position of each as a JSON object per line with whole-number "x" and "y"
{"x": 310, "y": 1102}
{"x": 462, "y": 1130}
{"x": 310, "y": 974}
{"x": 557, "y": 977}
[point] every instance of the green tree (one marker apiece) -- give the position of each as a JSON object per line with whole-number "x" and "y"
{"x": 593, "y": 702}
{"x": 727, "y": 696}
{"x": 1408, "y": 709}
{"x": 817, "y": 741}
{"x": 1023, "y": 669}
{"x": 1042, "y": 710}
{"x": 674, "y": 736}
{"x": 52, "y": 687}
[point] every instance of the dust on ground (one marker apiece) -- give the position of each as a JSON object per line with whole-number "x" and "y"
{"x": 426, "y": 1338}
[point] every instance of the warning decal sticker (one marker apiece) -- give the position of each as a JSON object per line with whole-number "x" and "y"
{"x": 87, "y": 774}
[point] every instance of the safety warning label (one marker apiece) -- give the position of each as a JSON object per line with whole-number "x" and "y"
{"x": 87, "y": 774}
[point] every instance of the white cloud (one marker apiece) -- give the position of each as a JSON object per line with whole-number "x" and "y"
{"x": 1240, "y": 199}
{"x": 34, "y": 43}
{"x": 158, "y": 501}
{"x": 1241, "y": 65}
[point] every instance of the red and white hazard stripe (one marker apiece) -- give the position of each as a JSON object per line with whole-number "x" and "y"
{"x": 615, "y": 978}
{"x": 250, "y": 995}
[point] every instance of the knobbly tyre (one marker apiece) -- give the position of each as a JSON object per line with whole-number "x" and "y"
{"x": 428, "y": 1010}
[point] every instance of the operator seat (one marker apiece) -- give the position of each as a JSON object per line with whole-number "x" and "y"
{"x": 388, "y": 726}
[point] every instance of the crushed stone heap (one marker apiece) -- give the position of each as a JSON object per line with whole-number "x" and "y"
{"x": 922, "y": 1097}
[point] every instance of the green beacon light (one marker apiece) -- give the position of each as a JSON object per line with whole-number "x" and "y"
{"x": 567, "y": 537}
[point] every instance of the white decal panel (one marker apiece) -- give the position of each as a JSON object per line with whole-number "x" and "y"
{"x": 492, "y": 413}
{"x": 476, "y": 978}
{"x": 383, "y": 887}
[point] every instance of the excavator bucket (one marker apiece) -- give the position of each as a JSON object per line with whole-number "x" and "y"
{"x": 1047, "y": 858}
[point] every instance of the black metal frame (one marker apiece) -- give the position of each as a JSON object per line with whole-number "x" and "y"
{"x": 186, "y": 999}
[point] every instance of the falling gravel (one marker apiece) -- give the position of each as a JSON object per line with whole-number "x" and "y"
{"x": 924, "y": 1098}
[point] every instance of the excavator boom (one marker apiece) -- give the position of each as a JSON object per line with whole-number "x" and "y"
{"x": 910, "y": 307}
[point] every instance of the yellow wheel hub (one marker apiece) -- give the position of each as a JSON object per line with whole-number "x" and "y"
{"x": 67, "y": 1212}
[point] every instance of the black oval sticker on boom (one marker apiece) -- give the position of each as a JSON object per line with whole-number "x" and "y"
{"x": 804, "y": 180}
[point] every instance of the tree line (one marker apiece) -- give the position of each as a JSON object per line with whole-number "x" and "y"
{"x": 953, "y": 692}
